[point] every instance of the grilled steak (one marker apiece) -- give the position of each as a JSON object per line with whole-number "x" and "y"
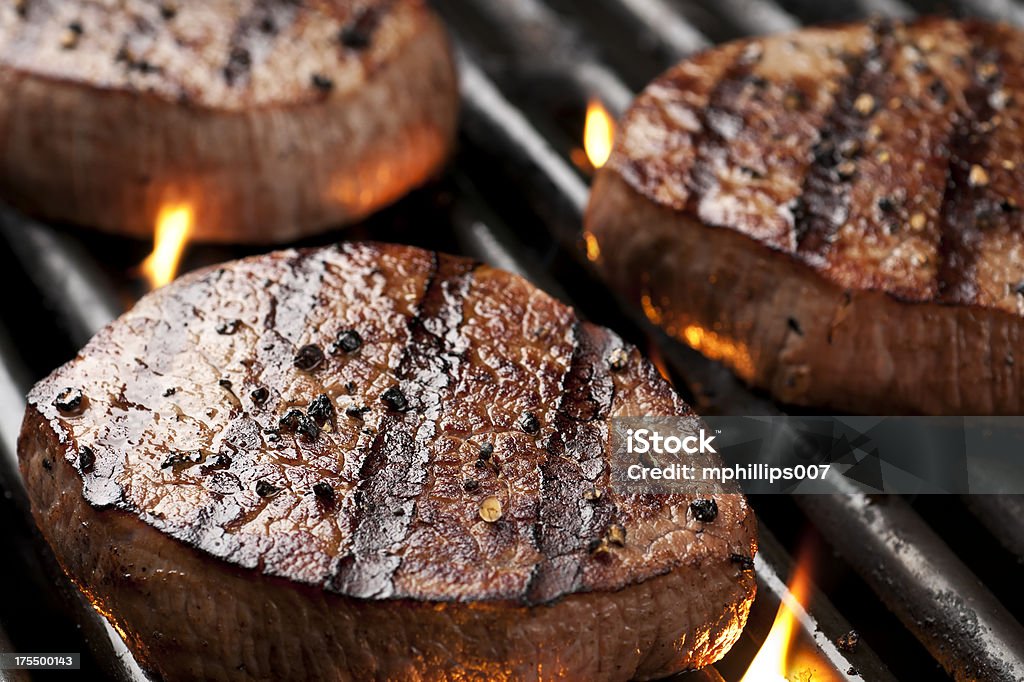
{"x": 375, "y": 462}
{"x": 834, "y": 213}
{"x": 272, "y": 120}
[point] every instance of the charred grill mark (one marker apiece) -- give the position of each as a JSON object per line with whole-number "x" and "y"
{"x": 720, "y": 121}
{"x": 357, "y": 33}
{"x": 239, "y": 59}
{"x": 392, "y": 475}
{"x": 264, "y": 18}
{"x": 967, "y": 209}
{"x": 569, "y": 517}
{"x": 824, "y": 201}
{"x": 366, "y": 571}
{"x": 239, "y": 63}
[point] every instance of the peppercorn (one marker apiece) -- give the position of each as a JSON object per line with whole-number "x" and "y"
{"x": 266, "y": 489}
{"x": 309, "y": 357}
{"x": 395, "y": 399}
{"x": 529, "y": 423}
{"x": 69, "y": 400}
{"x": 322, "y": 82}
{"x": 704, "y": 511}
{"x": 324, "y": 492}
{"x": 321, "y": 409}
{"x": 86, "y": 458}
{"x": 349, "y": 340}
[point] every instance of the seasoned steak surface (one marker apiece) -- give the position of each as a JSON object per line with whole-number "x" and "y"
{"x": 381, "y": 422}
{"x": 224, "y": 54}
{"x": 267, "y": 120}
{"x": 833, "y": 213}
{"x": 883, "y": 156}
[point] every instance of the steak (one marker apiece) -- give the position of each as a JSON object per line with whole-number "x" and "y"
{"x": 833, "y": 213}
{"x": 271, "y": 120}
{"x": 376, "y": 462}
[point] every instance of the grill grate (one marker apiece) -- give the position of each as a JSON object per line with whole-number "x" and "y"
{"x": 513, "y": 198}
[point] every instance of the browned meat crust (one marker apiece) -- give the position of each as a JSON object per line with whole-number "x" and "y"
{"x": 295, "y": 449}
{"x": 834, "y": 213}
{"x": 272, "y": 120}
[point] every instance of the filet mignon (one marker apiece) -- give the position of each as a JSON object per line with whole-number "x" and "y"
{"x": 271, "y": 120}
{"x": 834, "y": 213}
{"x": 375, "y": 462}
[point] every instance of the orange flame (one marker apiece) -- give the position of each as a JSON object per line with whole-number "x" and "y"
{"x": 598, "y": 134}
{"x": 775, "y": 661}
{"x": 652, "y": 311}
{"x": 772, "y": 661}
{"x": 172, "y": 228}
{"x": 658, "y": 360}
{"x": 720, "y": 347}
{"x": 593, "y": 248}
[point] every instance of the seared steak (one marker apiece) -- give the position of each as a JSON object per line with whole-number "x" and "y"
{"x": 375, "y": 462}
{"x": 272, "y": 120}
{"x": 834, "y": 213}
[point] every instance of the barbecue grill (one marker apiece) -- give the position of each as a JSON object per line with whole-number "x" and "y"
{"x": 929, "y": 585}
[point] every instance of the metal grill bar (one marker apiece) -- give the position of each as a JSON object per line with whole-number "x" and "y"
{"x": 998, "y": 10}
{"x": 12, "y": 405}
{"x": 536, "y": 32}
{"x": 755, "y": 17}
{"x": 811, "y": 11}
{"x": 42, "y": 575}
{"x": 675, "y": 37}
{"x": 540, "y": 169}
{"x": 886, "y": 8}
{"x": 1003, "y": 516}
{"x": 708, "y": 674}
{"x": 10, "y": 675}
{"x": 821, "y": 620}
{"x": 69, "y": 278}
{"x": 913, "y": 571}
{"x": 10, "y": 402}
